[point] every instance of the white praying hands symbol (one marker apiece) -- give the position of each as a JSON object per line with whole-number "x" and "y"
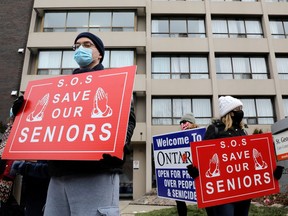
{"x": 101, "y": 109}
{"x": 213, "y": 170}
{"x": 38, "y": 113}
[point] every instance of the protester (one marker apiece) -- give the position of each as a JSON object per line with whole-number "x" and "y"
{"x": 186, "y": 122}
{"x": 8, "y": 203}
{"x": 230, "y": 124}
{"x": 34, "y": 185}
{"x": 35, "y": 179}
{"x": 87, "y": 187}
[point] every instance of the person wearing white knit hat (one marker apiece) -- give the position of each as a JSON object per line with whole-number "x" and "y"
{"x": 229, "y": 125}
{"x": 227, "y": 104}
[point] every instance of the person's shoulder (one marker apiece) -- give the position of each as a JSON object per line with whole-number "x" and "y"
{"x": 215, "y": 123}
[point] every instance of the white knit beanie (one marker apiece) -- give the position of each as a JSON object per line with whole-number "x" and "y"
{"x": 227, "y": 104}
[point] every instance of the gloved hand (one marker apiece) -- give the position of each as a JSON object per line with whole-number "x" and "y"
{"x": 112, "y": 160}
{"x": 17, "y": 105}
{"x": 278, "y": 172}
{"x": 18, "y": 167}
{"x": 193, "y": 171}
{"x": 127, "y": 149}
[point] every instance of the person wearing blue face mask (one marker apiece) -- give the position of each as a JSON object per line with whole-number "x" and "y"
{"x": 89, "y": 52}
{"x": 87, "y": 187}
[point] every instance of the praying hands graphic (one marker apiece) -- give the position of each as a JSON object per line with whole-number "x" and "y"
{"x": 101, "y": 109}
{"x": 260, "y": 164}
{"x": 38, "y": 113}
{"x": 213, "y": 170}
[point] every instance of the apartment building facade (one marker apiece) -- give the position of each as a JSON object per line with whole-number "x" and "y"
{"x": 15, "y": 20}
{"x": 188, "y": 53}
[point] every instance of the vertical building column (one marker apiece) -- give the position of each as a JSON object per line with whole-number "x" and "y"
{"x": 279, "y": 108}
{"x": 211, "y": 60}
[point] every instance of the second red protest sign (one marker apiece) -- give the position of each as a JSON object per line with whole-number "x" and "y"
{"x": 234, "y": 169}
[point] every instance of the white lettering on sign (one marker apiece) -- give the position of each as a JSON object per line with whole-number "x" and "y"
{"x": 163, "y": 173}
{"x": 74, "y": 81}
{"x": 183, "y": 194}
{"x": 187, "y": 184}
{"x": 235, "y": 156}
{"x": 172, "y": 142}
{"x": 67, "y": 112}
{"x": 64, "y": 133}
{"x": 72, "y": 96}
{"x": 170, "y": 183}
{"x": 238, "y": 183}
{"x": 233, "y": 143}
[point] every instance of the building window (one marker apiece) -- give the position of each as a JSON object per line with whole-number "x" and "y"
{"x": 279, "y": 28}
{"x": 282, "y": 67}
{"x": 56, "y": 62}
{"x": 179, "y": 67}
{"x": 168, "y": 111}
{"x": 62, "y": 62}
{"x": 258, "y": 111}
{"x": 178, "y": 27}
{"x": 77, "y": 21}
{"x": 285, "y": 104}
{"x": 237, "y": 28}
{"x": 241, "y": 68}
{"x": 118, "y": 58}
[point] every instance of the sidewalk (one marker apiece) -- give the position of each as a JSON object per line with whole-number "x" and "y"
{"x": 127, "y": 208}
{"x": 149, "y": 202}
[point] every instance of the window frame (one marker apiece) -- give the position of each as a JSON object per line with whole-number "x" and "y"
{"x": 233, "y": 74}
{"x": 88, "y": 26}
{"x": 258, "y": 118}
{"x": 179, "y": 34}
{"x": 173, "y": 118}
{"x": 229, "y": 34}
{"x": 282, "y": 22}
{"x": 182, "y": 75}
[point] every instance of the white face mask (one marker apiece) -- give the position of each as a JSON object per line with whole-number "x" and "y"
{"x": 83, "y": 56}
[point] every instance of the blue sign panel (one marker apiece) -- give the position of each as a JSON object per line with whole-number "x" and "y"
{"x": 172, "y": 153}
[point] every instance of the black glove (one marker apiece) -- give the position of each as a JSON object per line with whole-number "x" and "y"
{"x": 18, "y": 167}
{"x": 17, "y": 105}
{"x": 278, "y": 172}
{"x": 193, "y": 171}
{"x": 112, "y": 160}
{"x": 127, "y": 149}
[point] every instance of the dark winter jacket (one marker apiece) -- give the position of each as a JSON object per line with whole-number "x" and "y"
{"x": 217, "y": 130}
{"x": 108, "y": 164}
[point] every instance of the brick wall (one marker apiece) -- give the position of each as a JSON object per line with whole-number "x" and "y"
{"x": 15, "y": 21}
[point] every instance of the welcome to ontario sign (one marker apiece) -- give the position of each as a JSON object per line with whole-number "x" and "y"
{"x": 172, "y": 154}
{"x": 77, "y": 117}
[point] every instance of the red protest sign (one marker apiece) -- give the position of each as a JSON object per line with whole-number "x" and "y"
{"x": 234, "y": 169}
{"x": 76, "y": 117}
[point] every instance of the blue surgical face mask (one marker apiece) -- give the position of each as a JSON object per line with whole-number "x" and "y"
{"x": 83, "y": 56}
